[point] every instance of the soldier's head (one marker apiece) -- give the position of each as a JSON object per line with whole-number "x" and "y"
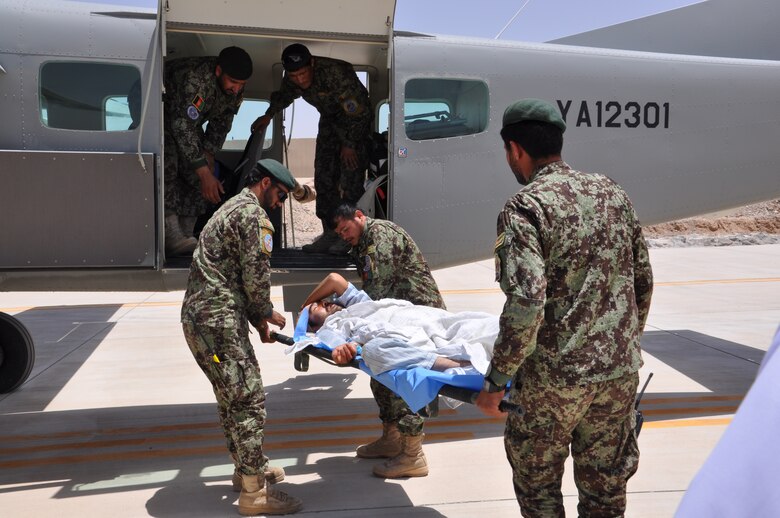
{"x": 271, "y": 182}
{"x": 532, "y": 133}
{"x": 349, "y": 222}
{"x": 298, "y": 65}
{"x": 319, "y": 311}
{"x": 234, "y": 67}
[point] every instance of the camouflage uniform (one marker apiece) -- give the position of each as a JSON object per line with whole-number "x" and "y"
{"x": 392, "y": 266}
{"x": 345, "y": 120}
{"x": 229, "y": 288}
{"x": 192, "y": 97}
{"x": 573, "y": 263}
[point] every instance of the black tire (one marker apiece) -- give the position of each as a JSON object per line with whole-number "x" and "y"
{"x": 17, "y": 353}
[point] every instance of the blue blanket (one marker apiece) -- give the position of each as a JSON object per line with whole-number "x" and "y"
{"x": 417, "y": 386}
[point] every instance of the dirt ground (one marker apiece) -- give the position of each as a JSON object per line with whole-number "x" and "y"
{"x": 757, "y": 219}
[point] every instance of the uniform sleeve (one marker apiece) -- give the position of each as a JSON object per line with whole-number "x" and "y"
{"x": 256, "y": 245}
{"x": 282, "y": 98}
{"x": 186, "y": 131}
{"x": 379, "y": 262}
{"x": 521, "y": 273}
{"x": 643, "y": 275}
{"x": 218, "y": 127}
{"x": 354, "y": 119}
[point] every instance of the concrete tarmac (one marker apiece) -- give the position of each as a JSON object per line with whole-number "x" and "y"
{"x": 117, "y": 419}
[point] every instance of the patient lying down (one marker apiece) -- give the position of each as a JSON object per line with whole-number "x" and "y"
{"x": 394, "y": 334}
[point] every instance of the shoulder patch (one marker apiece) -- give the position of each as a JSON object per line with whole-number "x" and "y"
{"x": 351, "y": 106}
{"x": 267, "y": 240}
{"x": 198, "y": 102}
{"x": 500, "y": 240}
{"x": 192, "y": 112}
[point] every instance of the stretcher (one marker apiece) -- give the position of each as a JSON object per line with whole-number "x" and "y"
{"x": 417, "y": 386}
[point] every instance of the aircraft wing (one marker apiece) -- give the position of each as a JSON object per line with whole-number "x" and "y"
{"x": 720, "y": 28}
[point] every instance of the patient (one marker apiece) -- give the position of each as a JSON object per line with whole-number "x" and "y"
{"x": 393, "y": 334}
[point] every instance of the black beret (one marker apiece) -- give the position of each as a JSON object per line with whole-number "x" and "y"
{"x": 295, "y": 56}
{"x": 235, "y": 62}
{"x": 533, "y": 110}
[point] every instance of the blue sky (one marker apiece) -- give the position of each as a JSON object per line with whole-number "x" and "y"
{"x": 539, "y": 20}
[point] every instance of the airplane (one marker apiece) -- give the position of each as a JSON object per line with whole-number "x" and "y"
{"x": 82, "y": 172}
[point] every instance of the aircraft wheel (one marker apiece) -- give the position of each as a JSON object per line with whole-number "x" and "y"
{"x": 17, "y": 353}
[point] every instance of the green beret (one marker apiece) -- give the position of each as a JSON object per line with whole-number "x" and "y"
{"x": 533, "y": 110}
{"x": 278, "y": 171}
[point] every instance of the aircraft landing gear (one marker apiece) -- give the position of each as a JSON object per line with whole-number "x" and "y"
{"x": 17, "y": 353}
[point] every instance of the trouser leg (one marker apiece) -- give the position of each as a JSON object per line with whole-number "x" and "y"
{"x": 238, "y": 388}
{"x": 605, "y": 450}
{"x": 393, "y": 409}
{"x": 333, "y": 183}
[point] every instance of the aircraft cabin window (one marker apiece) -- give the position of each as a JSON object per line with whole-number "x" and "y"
{"x": 383, "y": 117}
{"x": 441, "y": 108}
{"x": 250, "y": 110}
{"x": 90, "y": 96}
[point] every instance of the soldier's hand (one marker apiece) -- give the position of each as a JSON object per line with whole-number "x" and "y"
{"x": 277, "y": 319}
{"x": 349, "y": 157}
{"x": 210, "y": 188}
{"x": 488, "y": 402}
{"x": 209, "y": 160}
{"x": 265, "y": 333}
{"x": 261, "y": 123}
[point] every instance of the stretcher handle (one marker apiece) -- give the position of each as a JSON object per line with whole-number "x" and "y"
{"x": 322, "y": 354}
{"x": 461, "y": 394}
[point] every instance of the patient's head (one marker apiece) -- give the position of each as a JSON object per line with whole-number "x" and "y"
{"x": 319, "y": 311}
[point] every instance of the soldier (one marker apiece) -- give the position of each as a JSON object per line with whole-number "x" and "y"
{"x": 391, "y": 266}
{"x": 197, "y": 90}
{"x": 573, "y": 263}
{"x": 342, "y": 151}
{"x": 228, "y": 286}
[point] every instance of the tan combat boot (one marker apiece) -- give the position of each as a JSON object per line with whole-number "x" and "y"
{"x": 187, "y": 225}
{"x": 274, "y": 475}
{"x": 175, "y": 242}
{"x": 256, "y": 498}
{"x": 387, "y": 446}
{"x": 410, "y": 462}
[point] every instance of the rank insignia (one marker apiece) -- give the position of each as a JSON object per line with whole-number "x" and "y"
{"x": 500, "y": 240}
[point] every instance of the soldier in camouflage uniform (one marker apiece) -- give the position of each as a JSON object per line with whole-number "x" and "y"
{"x": 228, "y": 289}
{"x": 391, "y": 266}
{"x": 197, "y": 91}
{"x": 573, "y": 263}
{"x": 342, "y": 150}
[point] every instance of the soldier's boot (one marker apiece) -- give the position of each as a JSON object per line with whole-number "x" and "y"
{"x": 187, "y": 225}
{"x": 321, "y": 245}
{"x": 175, "y": 242}
{"x": 274, "y": 475}
{"x": 257, "y": 498}
{"x": 387, "y": 446}
{"x": 411, "y": 462}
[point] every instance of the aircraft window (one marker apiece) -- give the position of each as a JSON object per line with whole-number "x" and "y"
{"x": 383, "y": 117}
{"x": 250, "y": 110}
{"x": 90, "y": 96}
{"x": 441, "y": 108}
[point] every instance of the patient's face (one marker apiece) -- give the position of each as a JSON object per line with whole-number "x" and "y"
{"x": 319, "y": 311}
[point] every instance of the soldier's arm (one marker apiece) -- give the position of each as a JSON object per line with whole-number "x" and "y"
{"x": 521, "y": 272}
{"x": 383, "y": 249}
{"x": 186, "y": 131}
{"x": 255, "y": 258}
{"x": 282, "y": 98}
{"x": 643, "y": 274}
{"x": 355, "y": 116}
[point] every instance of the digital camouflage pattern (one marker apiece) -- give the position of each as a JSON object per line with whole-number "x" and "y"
{"x": 230, "y": 276}
{"x": 192, "y": 97}
{"x": 573, "y": 263}
{"x": 238, "y": 388}
{"x": 228, "y": 288}
{"x": 392, "y": 266}
{"x": 345, "y": 120}
{"x": 598, "y": 420}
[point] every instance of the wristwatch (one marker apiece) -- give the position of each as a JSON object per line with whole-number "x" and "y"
{"x": 489, "y": 386}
